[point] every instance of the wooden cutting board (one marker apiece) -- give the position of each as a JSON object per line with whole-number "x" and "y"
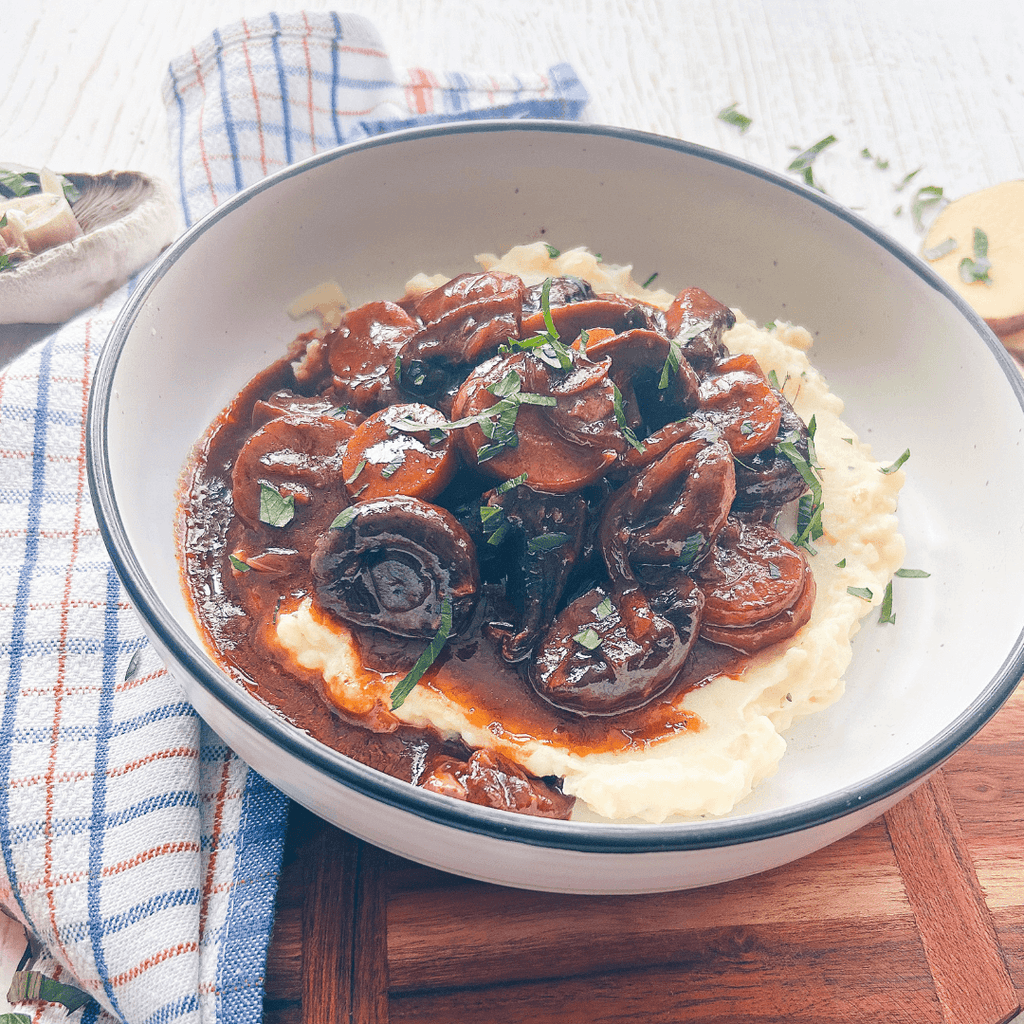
{"x": 916, "y": 918}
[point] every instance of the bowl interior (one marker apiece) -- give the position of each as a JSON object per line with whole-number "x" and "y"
{"x": 915, "y": 368}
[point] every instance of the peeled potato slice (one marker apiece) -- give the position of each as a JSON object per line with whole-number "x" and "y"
{"x": 998, "y": 212}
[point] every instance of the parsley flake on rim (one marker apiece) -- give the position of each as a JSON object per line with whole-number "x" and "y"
{"x": 426, "y": 659}
{"x": 275, "y": 508}
{"x": 803, "y": 161}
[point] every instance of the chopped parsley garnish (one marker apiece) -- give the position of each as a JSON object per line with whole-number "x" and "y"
{"x": 691, "y": 548}
{"x": 275, "y": 508}
{"x": 498, "y": 423}
{"x": 841, "y": 565}
{"x": 803, "y": 161}
{"x": 912, "y": 574}
{"x": 650, "y": 280}
{"x": 546, "y": 542}
{"x": 620, "y": 419}
{"x": 17, "y": 185}
{"x": 773, "y": 377}
{"x": 553, "y": 253}
{"x": 936, "y": 252}
{"x": 238, "y": 564}
{"x": 730, "y": 115}
{"x": 426, "y": 659}
{"x": 675, "y": 350}
{"x": 508, "y": 485}
{"x": 862, "y": 592}
{"x": 809, "y": 508}
{"x": 896, "y": 465}
{"x": 360, "y": 466}
{"x": 492, "y": 518}
{"x": 774, "y": 572}
{"x": 133, "y": 665}
{"x": 906, "y": 180}
{"x": 393, "y": 466}
{"x": 588, "y": 637}
{"x": 885, "y": 615}
{"x": 344, "y": 518}
{"x": 924, "y": 199}
{"x": 604, "y": 609}
{"x": 546, "y": 345}
{"x": 972, "y": 271}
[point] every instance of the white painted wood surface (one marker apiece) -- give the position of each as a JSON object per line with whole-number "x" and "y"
{"x": 930, "y": 84}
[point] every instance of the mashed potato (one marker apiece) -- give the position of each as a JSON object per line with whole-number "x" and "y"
{"x": 707, "y": 770}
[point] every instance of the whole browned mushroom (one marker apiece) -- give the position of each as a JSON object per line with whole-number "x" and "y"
{"x": 392, "y": 563}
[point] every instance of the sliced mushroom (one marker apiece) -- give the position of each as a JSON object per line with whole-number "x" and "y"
{"x": 768, "y": 480}
{"x": 656, "y": 387}
{"x": 563, "y": 291}
{"x": 543, "y": 535}
{"x": 736, "y": 397}
{"x": 392, "y": 563}
{"x": 671, "y": 511}
{"x": 362, "y": 353}
{"x": 758, "y": 588}
{"x": 465, "y": 321}
{"x": 299, "y": 458}
{"x": 493, "y": 780}
{"x": 594, "y": 661}
{"x": 700, "y": 321}
{"x": 562, "y": 446}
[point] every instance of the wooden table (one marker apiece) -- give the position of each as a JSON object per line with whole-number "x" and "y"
{"x": 918, "y": 917}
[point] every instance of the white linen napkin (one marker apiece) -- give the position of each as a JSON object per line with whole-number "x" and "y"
{"x": 138, "y": 849}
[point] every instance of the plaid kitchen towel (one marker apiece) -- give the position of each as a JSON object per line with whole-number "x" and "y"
{"x": 139, "y": 851}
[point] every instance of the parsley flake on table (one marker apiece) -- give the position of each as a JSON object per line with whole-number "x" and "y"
{"x": 730, "y": 115}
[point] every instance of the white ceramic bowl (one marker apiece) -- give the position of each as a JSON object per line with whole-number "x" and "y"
{"x": 914, "y": 365}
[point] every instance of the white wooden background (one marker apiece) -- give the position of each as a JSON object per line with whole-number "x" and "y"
{"x": 930, "y": 84}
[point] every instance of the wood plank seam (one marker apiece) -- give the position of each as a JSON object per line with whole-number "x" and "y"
{"x": 957, "y": 931}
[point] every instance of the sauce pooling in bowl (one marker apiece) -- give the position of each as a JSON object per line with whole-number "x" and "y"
{"x": 548, "y": 508}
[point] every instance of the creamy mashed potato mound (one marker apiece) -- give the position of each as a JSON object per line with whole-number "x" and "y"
{"x": 709, "y": 770}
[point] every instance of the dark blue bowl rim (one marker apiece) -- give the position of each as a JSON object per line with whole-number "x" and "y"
{"x": 583, "y": 837}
